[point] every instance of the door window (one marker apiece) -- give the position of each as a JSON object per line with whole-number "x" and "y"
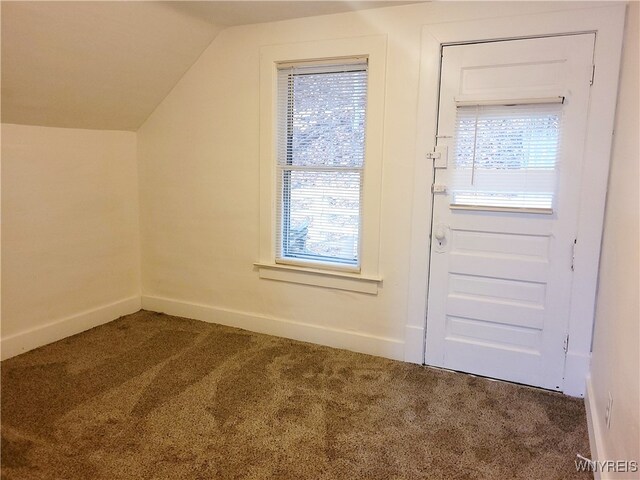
{"x": 506, "y": 156}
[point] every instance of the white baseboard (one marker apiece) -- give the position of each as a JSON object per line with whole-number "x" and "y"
{"x": 414, "y": 344}
{"x": 38, "y": 336}
{"x": 332, "y": 337}
{"x": 596, "y": 442}
{"x": 576, "y": 370}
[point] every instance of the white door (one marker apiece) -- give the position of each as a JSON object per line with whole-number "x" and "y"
{"x": 511, "y": 125}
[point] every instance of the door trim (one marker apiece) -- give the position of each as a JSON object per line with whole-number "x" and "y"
{"x": 608, "y": 24}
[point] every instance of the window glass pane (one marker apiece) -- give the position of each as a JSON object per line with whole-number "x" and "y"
{"x": 325, "y": 117}
{"x": 321, "y": 220}
{"x": 506, "y": 156}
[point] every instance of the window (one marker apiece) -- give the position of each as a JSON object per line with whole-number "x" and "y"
{"x": 321, "y": 145}
{"x": 321, "y": 113}
{"x": 506, "y": 156}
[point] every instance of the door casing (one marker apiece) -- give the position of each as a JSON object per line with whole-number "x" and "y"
{"x": 608, "y": 25}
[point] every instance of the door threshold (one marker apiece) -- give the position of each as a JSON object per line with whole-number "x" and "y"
{"x": 532, "y": 387}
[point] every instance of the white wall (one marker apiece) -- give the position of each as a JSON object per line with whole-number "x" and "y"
{"x": 199, "y": 169}
{"x": 615, "y": 364}
{"x": 70, "y": 234}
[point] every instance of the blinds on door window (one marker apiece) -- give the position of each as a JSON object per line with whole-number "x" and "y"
{"x": 320, "y": 161}
{"x": 506, "y": 156}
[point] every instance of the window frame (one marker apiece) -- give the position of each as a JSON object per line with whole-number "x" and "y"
{"x": 285, "y": 172}
{"x": 366, "y": 278}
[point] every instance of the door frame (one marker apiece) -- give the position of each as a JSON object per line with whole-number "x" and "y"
{"x": 607, "y": 22}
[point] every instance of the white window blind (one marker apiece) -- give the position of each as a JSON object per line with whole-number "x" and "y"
{"x": 320, "y": 161}
{"x": 506, "y": 156}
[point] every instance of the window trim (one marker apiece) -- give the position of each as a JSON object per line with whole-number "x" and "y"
{"x": 329, "y": 276}
{"x": 335, "y": 279}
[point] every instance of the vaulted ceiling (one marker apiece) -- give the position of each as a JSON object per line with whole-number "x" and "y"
{"x": 107, "y": 65}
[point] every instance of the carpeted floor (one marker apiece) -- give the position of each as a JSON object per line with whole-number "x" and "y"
{"x": 155, "y": 396}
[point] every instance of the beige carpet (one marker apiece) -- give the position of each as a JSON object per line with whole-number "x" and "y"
{"x": 155, "y": 396}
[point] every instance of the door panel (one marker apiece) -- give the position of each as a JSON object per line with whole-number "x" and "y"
{"x": 500, "y": 281}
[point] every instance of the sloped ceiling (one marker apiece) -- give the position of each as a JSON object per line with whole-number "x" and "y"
{"x": 107, "y": 65}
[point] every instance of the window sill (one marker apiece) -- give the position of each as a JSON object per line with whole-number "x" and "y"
{"x": 353, "y": 282}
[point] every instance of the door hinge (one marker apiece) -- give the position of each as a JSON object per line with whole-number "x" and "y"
{"x": 593, "y": 74}
{"x": 573, "y": 254}
{"x": 432, "y": 155}
{"x": 565, "y": 345}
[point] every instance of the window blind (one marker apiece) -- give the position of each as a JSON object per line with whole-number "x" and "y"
{"x": 506, "y": 156}
{"x": 320, "y": 161}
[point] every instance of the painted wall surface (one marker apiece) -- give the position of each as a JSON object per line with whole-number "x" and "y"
{"x": 199, "y": 167}
{"x": 615, "y": 364}
{"x": 70, "y": 234}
